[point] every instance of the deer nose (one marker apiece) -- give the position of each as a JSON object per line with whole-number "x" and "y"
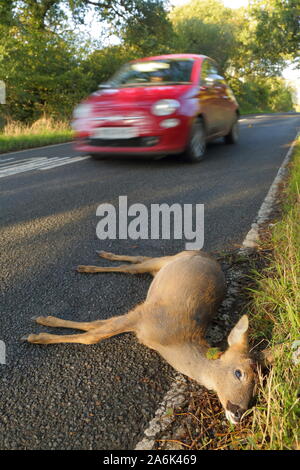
{"x": 234, "y": 412}
{"x": 239, "y": 413}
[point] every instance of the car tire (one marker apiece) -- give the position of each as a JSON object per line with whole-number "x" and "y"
{"x": 233, "y": 136}
{"x": 196, "y": 147}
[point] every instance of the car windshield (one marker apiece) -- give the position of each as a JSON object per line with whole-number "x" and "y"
{"x": 154, "y": 72}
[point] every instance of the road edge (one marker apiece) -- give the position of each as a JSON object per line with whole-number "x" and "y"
{"x": 175, "y": 395}
{"x": 36, "y": 148}
{"x": 252, "y": 238}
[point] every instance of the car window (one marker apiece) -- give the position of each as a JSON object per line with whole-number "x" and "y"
{"x": 209, "y": 73}
{"x": 154, "y": 72}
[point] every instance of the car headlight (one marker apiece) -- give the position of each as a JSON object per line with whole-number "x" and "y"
{"x": 82, "y": 111}
{"x": 165, "y": 107}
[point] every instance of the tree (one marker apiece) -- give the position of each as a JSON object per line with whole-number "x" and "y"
{"x": 205, "y": 27}
{"x": 209, "y": 11}
{"x": 42, "y": 73}
{"x": 48, "y": 14}
{"x": 148, "y": 30}
{"x": 101, "y": 64}
{"x": 277, "y": 30}
{"x": 213, "y": 40}
{"x": 6, "y": 12}
{"x": 251, "y": 41}
{"x": 264, "y": 94}
{"x": 48, "y": 68}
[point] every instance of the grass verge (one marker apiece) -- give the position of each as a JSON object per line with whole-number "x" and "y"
{"x": 275, "y": 315}
{"x": 45, "y": 131}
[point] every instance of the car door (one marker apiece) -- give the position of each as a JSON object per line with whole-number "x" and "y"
{"x": 209, "y": 97}
{"x": 226, "y": 104}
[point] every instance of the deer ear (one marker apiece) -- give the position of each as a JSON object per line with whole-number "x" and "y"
{"x": 238, "y": 334}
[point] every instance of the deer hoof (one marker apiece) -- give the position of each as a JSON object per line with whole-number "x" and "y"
{"x": 81, "y": 269}
{"x": 104, "y": 254}
{"x": 24, "y": 339}
{"x": 100, "y": 253}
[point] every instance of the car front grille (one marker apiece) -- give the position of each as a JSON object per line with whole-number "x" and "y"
{"x": 133, "y": 142}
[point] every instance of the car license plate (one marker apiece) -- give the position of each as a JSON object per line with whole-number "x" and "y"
{"x": 115, "y": 133}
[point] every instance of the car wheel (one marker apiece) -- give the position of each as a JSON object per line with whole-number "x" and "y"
{"x": 233, "y": 136}
{"x": 196, "y": 147}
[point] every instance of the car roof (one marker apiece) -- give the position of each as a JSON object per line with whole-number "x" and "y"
{"x": 173, "y": 56}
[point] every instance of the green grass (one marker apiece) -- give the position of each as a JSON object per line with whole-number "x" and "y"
{"x": 45, "y": 131}
{"x": 8, "y": 144}
{"x": 276, "y": 316}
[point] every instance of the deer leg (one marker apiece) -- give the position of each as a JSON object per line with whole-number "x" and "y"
{"x": 46, "y": 338}
{"x": 110, "y": 327}
{"x": 60, "y": 323}
{"x": 152, "y": 266}
{"x": 126, "y": 268}
{"x": 130, "y": 259}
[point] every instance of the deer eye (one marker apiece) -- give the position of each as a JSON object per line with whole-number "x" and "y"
{"x": 238, "y": 374}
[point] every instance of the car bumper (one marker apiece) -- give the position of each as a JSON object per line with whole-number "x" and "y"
{"x": 169, "y": 141}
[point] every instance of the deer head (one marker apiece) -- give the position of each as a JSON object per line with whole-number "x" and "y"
{"x": 233, "y": 377}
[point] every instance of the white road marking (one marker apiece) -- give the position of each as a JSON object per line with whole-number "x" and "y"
{"x": 252, "y": 238}
{"x": 7, "y": 160}
{"x": 13, "y": 162}
{"x": 70, "y": 160}
{"x": 35, "y": 163}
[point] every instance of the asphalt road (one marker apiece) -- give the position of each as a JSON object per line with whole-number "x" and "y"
{"x": 103, "y": 396}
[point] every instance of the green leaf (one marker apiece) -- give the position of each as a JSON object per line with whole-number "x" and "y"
{"x": 213, "y": 353}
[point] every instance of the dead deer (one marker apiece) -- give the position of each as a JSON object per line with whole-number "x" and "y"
{"x": 181, "y": 301}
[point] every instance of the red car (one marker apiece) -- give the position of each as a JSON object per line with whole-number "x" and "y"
{"x": 169, "y": 104}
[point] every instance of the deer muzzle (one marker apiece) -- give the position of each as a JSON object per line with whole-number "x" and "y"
{"x": 234, "y": 412}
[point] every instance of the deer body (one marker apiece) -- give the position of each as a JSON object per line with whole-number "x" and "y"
{"x": 181, "y": 301}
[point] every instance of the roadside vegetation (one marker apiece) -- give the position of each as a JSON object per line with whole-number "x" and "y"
{"x": 275, "y": 317}
{"x": 49, "y": 65}
{"x": 45, "y": 131}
